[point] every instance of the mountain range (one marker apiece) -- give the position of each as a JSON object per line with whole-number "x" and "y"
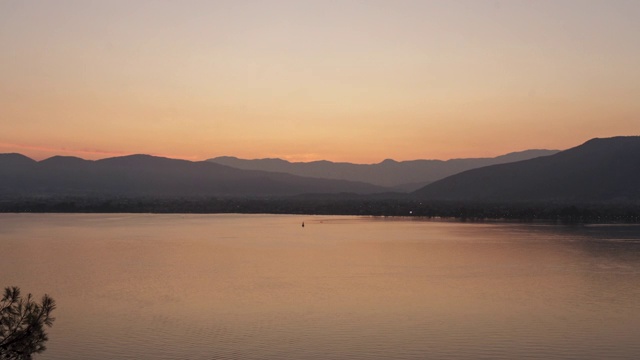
{"x": 600, "y": 170}
{"x": 145, "y": 175}
{"x": 403, "y": 176}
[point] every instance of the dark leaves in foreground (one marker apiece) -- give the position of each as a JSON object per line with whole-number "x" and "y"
{"x": 22, "y": 324}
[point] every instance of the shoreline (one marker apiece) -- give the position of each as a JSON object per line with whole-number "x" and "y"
{"x": 606, "y": 213}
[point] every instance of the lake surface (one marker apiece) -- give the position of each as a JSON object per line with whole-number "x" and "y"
{"x": 263, "y": 287}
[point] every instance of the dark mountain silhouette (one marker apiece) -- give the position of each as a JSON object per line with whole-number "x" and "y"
{"x": 16, "y": 160}
{"x": 144, "y": 175}
{"x": 16, "y": 171}
{"x": 401, "y": 175}
{"x": 600, "y": 170}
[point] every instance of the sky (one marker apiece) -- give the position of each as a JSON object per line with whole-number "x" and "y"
{"x": 356, "y": 81}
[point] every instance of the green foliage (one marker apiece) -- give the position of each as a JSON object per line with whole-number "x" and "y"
{"x": 22, "y": 324}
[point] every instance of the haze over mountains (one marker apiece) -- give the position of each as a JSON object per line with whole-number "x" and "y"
{"x": 144, "y": 175}
{"x": 404, "y": 176}
{"x": 600, "y": 170}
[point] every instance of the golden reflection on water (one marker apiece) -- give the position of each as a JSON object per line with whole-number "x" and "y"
{"x": 263, "y": 287}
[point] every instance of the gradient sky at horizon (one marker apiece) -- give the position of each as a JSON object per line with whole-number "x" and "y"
{"x": 356, "y": 81}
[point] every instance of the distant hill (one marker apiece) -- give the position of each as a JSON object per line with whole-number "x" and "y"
{"x": 400, "y": 175}
{"x": 144, "y": 175}
{"x": 600, "y": 170}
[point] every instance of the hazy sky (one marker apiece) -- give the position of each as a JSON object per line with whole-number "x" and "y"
{"x": 356, "y": 81}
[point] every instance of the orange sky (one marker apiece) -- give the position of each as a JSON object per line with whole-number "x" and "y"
{"x": 356, "y": 81}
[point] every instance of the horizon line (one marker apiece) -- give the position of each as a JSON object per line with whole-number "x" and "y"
{"x": 194, "y": 159}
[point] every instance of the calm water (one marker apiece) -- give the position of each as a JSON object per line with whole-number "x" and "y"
{"x": 263, "y": 287}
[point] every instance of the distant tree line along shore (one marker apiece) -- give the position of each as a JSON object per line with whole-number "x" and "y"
{"x": 324, "y": 205}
